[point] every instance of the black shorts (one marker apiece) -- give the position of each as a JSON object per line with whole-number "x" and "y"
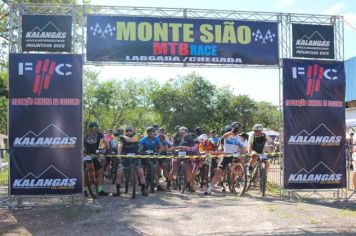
{"x": 227, "y": 160}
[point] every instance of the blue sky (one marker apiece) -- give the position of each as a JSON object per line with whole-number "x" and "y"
{"x": 259, "y": 84}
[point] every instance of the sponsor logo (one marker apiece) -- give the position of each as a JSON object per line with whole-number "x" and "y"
{"x": 321, "y": 136}
{"x": 264, "y": 39}
{"x": 320, "y": 174}
{"x": 107, "y": 31}
{"x": 50, "y": 178}
{"x": 315, "y": 40}
{"x": 44, "y": 70}
{"x": 49, "y": 31}
{"x": 314, "y": 75}
{"x": 50, "y": 137}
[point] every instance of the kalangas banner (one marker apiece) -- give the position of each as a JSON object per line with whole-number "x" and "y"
{"x": 314, "y": 124}
{"x": 133, "y": 40}
{"x": 45, "y": 124}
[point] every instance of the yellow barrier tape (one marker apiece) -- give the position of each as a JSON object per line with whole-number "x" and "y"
{"x": 275, "y": 154}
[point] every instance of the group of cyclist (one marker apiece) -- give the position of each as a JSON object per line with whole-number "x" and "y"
{"x": 126, "y": 142}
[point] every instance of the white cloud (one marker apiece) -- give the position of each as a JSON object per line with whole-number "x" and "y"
{"x": 334, "y": 9}
{"x": 280, "y": 4}
{"x": 350, "y": 18}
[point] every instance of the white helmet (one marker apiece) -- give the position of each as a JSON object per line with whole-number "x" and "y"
{"x": 258, "y": 127}
{"x": 202, "y": 138}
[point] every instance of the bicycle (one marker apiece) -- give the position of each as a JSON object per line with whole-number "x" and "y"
{"x": 90, "y": 176}
{"x": 130, "y": 175}
{"x": 149, "y": 172}
{"x": 258, "y": 170}
{"x": 180, "y": 181}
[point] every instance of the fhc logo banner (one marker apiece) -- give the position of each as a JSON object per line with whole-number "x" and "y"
{"x": 44, "y": 75}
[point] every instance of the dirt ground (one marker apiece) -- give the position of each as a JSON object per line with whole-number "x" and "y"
{"x": 187, "y": 214}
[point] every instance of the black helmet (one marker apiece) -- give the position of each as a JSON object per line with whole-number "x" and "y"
{"x": 198, "y": 131}
{"x": 227, "y": 128}
{"x": 150, "y": 129}
{"x": 236, "y": 126}
{"x": 93, "y": 124}
{"x": 129, "y": 128}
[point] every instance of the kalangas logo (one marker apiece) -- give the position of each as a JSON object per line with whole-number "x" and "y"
{"x": 320, "y": 174}
{"x": 49, "y": 137}
{"x": 50, "y": 178}
{"x": 314, "y": 75}
{"x": 321, "y": 136}
{"x": 44, "y": 71}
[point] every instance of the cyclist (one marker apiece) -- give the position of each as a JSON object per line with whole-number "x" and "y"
{"x": 187, "y": 145}
{"x": 256, "y": 142}
{"x": 232, "y": 145}
{"x": 92, "y": 141}
{"x": 150, "y": 144}
{"x": 130, "y": 145}
{"x": 214, "y": 140}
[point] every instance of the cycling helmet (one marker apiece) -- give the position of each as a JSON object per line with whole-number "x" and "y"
{"x": 150, "y": 129}
{"x": 198, "y": 131}
{"x": 155, "y": 127}
{"x": 202, "y": 138}
{"x": 212, "y": 131}
{"x": 227, "y": 128}
{"x": 129, "y": 128}
{"x": 177, "y": 127}
{"x": 258, "y": 127}
{"x": 93, "y": 124}
{"x": 236, "y": 125}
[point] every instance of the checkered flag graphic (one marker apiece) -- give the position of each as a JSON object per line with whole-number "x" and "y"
{"x": 108, "y": 31}
{"x": 268, "y": 37}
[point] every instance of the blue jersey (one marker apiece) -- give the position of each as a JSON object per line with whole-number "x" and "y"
{"x": 148, "y": 144}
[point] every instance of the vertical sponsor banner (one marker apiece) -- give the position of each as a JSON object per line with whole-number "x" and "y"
{"x": 45, "y": 124}
{"x": 175, "y": 40}
{"x": 46, "y": 33}
{"x": 313, "y": 41}
{"x": 314, "y": 124}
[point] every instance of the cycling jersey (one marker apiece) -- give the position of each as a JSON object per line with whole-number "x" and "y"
{"x": 149, "y": 144}
{"x": 129, "y": 147}
{"x": 92, "y": 142}
{"x": 232, "y": 144}
{"x": 258, "y": 143}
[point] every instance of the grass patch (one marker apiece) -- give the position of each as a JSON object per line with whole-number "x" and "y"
{"x": 314, "y": 221}
{"x": 4, "y": 177}
{"x": 273, "y": 189}
{"x": 347, "y": 213}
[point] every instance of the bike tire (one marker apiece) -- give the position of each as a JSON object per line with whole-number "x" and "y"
{"x": 151, "y": 179}
{"x": 263, "y": 179}
{"x": 181, "y": 178}
{"x": 252, "y": 178}
{"x": 93, "y": 187}
{"x": 240, "y": 184}
{"x": 228, "y": 179}
{"x": 127, "y": 179}
{"x": 133, "y": 180}
{"x": 113, "y": 169}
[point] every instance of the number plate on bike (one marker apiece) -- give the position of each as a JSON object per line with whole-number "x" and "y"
{"x": 131, "y": 154}
{"x": 235, "y": 154}
{"x": 262, "y": 157}
{"x": 88, "y": 158}
{"x": 182, "y": 154}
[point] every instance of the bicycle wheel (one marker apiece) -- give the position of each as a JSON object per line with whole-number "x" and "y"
{"x": 150, "y": 181}
{"x": 91, "y": 180}
{"x": 251, "y": 179}
{"x": 113, "y": 169}
{"x": 127, "y": 179}
{"x": 240, "y": 182}
{"x": 133, "y": 179}
{"x": 181, "y": 178}
{"x": 228, "y": 179}
{"x": 263, "y": 179}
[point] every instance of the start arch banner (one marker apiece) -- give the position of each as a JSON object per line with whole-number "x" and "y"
{"x": 181, "y": 40}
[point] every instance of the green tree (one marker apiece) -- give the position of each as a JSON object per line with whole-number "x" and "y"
{"x": 185, "y": 101}
{"x": 268, "y": 115}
